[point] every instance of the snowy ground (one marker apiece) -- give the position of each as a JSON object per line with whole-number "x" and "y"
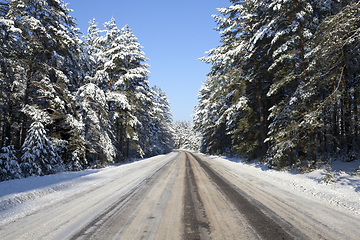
{"x": 22, "y": 197}
{"x": 344, "y": 194}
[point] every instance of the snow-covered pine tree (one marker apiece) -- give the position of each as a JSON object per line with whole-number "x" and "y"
{"x": 201, "y": 116}
{"x": 97, "y": 129}
{"x": 185, "y": 137}
{"x": 252, "y": 107}
{"x": 76, "y": 146}
{"x": 11, "y": 81}
{"x": 95, "y": 46}
{"x": 327, "y": 99}
{"x": 135, "y": 80}
{"x": 50, "y": 45}
{"x": 118, "y": 102}
{"x": 180, "y": 133}
{"x": 231, "y": 81}
{"x": 291, "y": 27}
{"x": 127, "y": 80}
{"x": 9, "y": 166}
{"x": 195, "y": 140}
{"x": 163, "y": 120}
{"x": 39, "y": 154}
{"x": 112, "y": 46}
{"x": 206, "y": 118}
{"x": 155, "y": 129}
{"x": 146, "y": 127}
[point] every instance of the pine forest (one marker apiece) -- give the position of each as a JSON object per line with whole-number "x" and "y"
{"x": 69, "y": 104}
{"x": 284, "y": 83}
{"x": 282, "y": 87}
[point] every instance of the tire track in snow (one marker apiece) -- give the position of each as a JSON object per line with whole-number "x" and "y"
{"x": 266, "y": 227}
{"x": 134, "y": 196}
{"x": 195, "y": 220}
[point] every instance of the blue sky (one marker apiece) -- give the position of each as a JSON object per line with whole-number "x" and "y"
{"x": 174, "y": 35}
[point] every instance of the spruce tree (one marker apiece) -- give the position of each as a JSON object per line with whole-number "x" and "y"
{"x": 50, "y": 46}
{"x": 127, "y": 82}
{"x": 39, "y": 155}
{"x": 185, "y": 136}
{"x": 11, "y": 81}
{"x": 259, "y": 90}
{"x": 236, "y": 78}
{"x": 294, "y": 27}
{"x": 74, "y": 101}
{"x": 97, "y": 130}
{"x": 162, "y": 118}
{"x": 328, "y": 96}
{"x": 9, "y": 167}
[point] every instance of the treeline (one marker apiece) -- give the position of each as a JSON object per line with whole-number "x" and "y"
{"x": 284, "y": 83}
{"x": 185, "y": 136}
{"x": 67, "y": 104}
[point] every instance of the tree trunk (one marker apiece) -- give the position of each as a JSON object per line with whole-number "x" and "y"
{"x": 348, "y": 132}
{"x": 261, "y": 118}
{"x": 2, "y": 129}
{"x": 356, "y": 120}
{"x": 335, "y": 118}
{"x": 342, "y": 123}
{"x": 127, "y": 147}
{"x": 24, "y": 124}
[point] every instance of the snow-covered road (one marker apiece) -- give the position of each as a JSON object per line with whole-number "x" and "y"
{"x": 283, "y": 197}
{"x": 56, "y": 207}
{"x": 178, "y": 196}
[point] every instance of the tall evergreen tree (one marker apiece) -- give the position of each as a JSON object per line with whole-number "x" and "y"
{"x": 155, "y": 128}
{"x": 206, "y": 119}
{"x": 49, "y": 45}
{"x": 264, "y": 88}
{"x": 9, "y": 166}
{"x": 127, "y": 80}
{"x": 326, "y": 100}
{"x": 162, "y": 118}
{"x": 237, "y": 75}
{"x": 11, "y": 80}
{"x": 294, "y": 28}
{"x": 40, "y": 157}
{"x": 185, "y": 136}
{"x": 65, "y": 103}
{"x": 97, "y": 130}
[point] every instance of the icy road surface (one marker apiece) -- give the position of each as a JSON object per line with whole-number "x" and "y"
{"x": 181, "y": 195}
